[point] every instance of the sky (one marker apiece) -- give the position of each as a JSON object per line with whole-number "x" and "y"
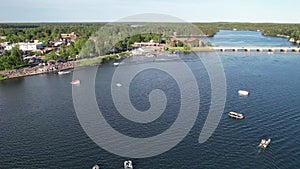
{"x": 275, "y": 11}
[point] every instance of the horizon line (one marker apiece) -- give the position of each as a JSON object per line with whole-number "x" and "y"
{"x": 91, "y": 21}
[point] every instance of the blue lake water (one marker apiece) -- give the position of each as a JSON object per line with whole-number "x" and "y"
{"x": 39, "y": 127}
{"x": 247, "y": 38}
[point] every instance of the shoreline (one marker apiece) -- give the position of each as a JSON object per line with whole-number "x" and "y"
{"x": 38, "y": 70}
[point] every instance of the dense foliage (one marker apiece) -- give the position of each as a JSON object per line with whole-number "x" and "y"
{"x": 13, "y": 60}
{"x": 45, "y": 31}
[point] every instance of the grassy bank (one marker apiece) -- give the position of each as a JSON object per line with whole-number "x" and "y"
{"x": 1, "y": 78}
{"x": 101, "y": 59}
{"x": 87, "y": 62}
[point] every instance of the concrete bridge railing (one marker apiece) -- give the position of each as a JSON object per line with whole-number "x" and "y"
{"x": 256, "y": 49}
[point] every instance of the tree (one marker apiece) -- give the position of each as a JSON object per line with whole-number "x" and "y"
{"x": 186, "y": 48}
{"x": 180, "y": 44}
{"x": 15, "y": 51}
{"x": 208, "y": 44}
{"x": 51, "y": 56}
{"x": 6, "y": 53}
{"x": 88, "y": 50}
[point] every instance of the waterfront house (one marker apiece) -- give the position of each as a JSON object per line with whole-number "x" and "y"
{"x": 144, "y": 44}
{"x": 31, "y": 46}
{"x": 26, "y": 46}
{"x": 93, "y": 38}
{"x": 72, "y": 36}
{"x": 192, "y": 42}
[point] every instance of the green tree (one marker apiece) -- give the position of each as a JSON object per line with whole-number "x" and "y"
{"x": 88, "y": 50}
{"x": 186, "y": 48}
{"x": 180, "y": 44}
{"x": 51, "y": 56}
{"x": 15, "y": 51}
{"x": 208, "y": 44}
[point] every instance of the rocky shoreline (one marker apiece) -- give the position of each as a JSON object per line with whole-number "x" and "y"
{"x": 30, "y": 71}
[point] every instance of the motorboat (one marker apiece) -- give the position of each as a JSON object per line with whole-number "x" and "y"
{"x": 264, "y": 143}
{"x": 119, "y": 85}
{"x": 243, "y": 93}
{"x": 128, "y": 164}
{"x": 236, "y": 115}
{"x": 116, "y": 64}
{"x": 96, "y": 167}
{"x": 63, "y": 72}
{"x": 75, "y": 82}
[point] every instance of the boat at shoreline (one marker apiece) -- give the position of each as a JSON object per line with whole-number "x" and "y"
{"x": 264, "y": 143}
{"x": 75, "y": 82}
{"x": 117, "y": 64}
{"x": 243, "y": 93}
{"x": 63, "y": 72}
{"x": 236, "y": 115}
{"x": 128, "y": 164}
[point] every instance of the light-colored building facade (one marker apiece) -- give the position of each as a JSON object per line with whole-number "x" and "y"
{"x": 192, "y": 42}
{"x": 26, "y": 46}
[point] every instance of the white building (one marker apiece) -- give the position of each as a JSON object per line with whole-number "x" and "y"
{"x": 31, "y": 46}
{"x": 56, "y": 44}
{"x": 8, "y": 47}
{"x": 26, "y": 46}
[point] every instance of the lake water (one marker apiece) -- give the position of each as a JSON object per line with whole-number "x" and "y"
{"x": 40, "y": 129}
{"x": 247, "y": 38}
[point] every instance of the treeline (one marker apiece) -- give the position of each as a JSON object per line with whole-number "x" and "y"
{"x": 45, "y": 31}
{"x": 24, "y": 32}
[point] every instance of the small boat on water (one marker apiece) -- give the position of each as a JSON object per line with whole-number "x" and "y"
{"x": 243, "y": 93}
{"x": 264, "y": 143}
{"x": 128, "y": 164}
{"x": 63, "y": 72}
{"x": 236, "y": 115}
{"x": 75, "y": 82}
{"x": 96, "y": 167}
{"x": 116, "y": 64}
{"x": 119, "y": 85}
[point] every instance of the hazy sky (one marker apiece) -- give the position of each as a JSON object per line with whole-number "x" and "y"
{"x": 190, "y": 10}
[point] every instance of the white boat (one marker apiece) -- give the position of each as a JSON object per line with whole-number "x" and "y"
{"x": 96, "y": 167}
{"x": 236, "y": 115}
{"x": 75, "y": 82}
{"x": 119, "y": 85}
{"x": 63, "y": 72}
{"x": 243, "y": 93}
{"x": 128, "y": 164}
{"x": 264, "y": 143}
{"x": 116, "y": 64}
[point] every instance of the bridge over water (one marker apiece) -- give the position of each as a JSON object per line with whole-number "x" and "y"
{"x": 256, "y": 48}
